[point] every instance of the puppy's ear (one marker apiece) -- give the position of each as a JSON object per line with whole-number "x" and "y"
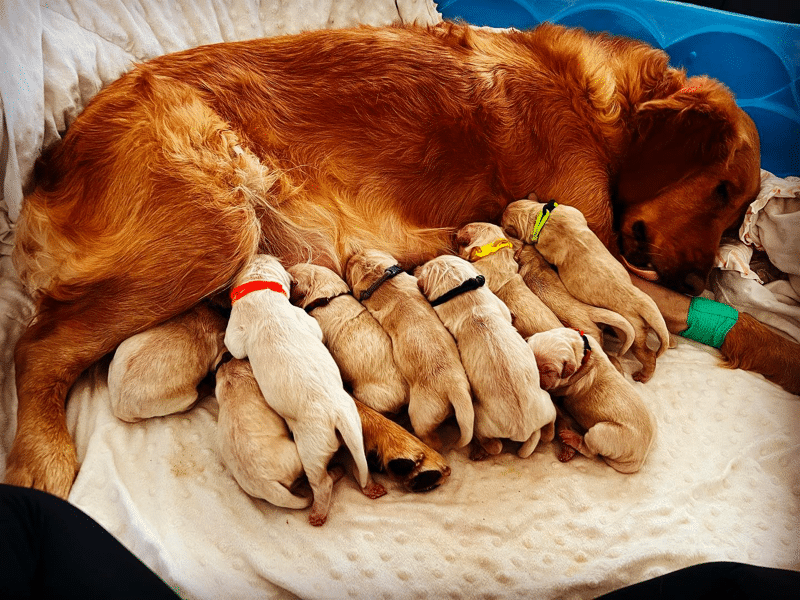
{"x": 236, "y": 338}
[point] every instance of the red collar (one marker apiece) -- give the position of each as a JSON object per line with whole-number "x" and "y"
{"x": 254, "y": 286}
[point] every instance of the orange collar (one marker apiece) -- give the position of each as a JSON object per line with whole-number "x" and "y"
{"x": 254, "y": 286}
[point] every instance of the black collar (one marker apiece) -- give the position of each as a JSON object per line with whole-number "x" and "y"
{"x": 387, "y": 275}
{"x": 323, "y": 301}
{"x": 470, "y": 284}
{"x": 226, "y": 357}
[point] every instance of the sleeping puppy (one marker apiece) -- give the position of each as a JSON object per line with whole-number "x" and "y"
{"x": 540, "y": 277}
{"x": 156, "y": 372}
{"x": 297, "y": 376}
{"x": 485, "y": 245}
{"x": 423, "y": 349}
{"x": 501, "y": 367}
{"x": 617, "y": 424}
{"x": 254, "y": 441}
{"x": 588, "y": 270}
{"x": 357, "y": 342}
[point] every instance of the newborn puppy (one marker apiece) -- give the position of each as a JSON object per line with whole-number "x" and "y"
{"x": 253, "y": 439}
{"x": 501, "y": 367}
{"x": 297, "y": 376}
{"x": 485, "y": 245}
{"x": 589, "y": 271}
{"x": 617, "y": 424}
{"x": 357, "y": 342}
{"x": 540, "y": 277}
{"x": 156, "y": 372}
{"x": 423, "y": 349}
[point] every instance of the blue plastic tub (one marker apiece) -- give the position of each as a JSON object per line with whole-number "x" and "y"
{"x": 758, "y": 60}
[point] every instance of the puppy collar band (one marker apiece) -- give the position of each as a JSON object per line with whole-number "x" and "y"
{"x": 489, "y": 248}
{"x": 319, "y": 302}
{"x": 541, "y": 220}
{"x": 587, "y": 350}
{"x": 240, "y": 291}
{"x": 470, "y": 284}
{"x": 709, "y": 321}
{"x": 387, "y": 275}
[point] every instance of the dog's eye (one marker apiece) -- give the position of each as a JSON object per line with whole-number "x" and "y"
{"x": 721, "y": 192}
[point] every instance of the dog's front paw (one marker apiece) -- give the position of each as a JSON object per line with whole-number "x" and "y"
{"x": 572, "y": 441}
{"x": 44, "y": 464}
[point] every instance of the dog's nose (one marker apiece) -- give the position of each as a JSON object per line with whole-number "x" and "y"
{"x": 694, "y": 284}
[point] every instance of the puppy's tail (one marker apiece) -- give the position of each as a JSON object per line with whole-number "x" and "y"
{"x": 461, "y": 399}
{"x": 275, "y": 493}
{"x": 349, "y": 426}
{"x": 652, "y": 316}
{"x": 617, "y": 322}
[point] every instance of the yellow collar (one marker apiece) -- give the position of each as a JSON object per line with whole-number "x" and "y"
{"x": 489, "y": 248}
{"x": 541, "y": 219}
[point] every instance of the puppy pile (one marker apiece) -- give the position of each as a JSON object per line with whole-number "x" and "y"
{"x": 496, "y": 337}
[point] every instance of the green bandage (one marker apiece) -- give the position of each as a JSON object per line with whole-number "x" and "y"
{"x": 709, "y": 321}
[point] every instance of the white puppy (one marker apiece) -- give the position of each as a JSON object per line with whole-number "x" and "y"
{"x": 156, "y": 372}
{"x": 297, "y": 376}
{"x": 423, "y": 350}
{"x": 588, "y": 270}
{"x": 501, "y": 367}
{"x": 617, "y": 424}
{"x": 357, "y": 342}
{"x": 254, "y": 441}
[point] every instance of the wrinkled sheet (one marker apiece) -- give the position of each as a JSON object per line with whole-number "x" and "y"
{"x": 722, "y": 481}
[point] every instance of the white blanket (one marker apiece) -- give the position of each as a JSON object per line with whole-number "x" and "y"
{"x": 722, "y": 481}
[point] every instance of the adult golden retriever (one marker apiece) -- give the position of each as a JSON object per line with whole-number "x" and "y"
{"x": 314, "y": 146}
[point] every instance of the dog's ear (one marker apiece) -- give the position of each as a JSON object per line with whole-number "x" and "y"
{"x": 698, "y": 122}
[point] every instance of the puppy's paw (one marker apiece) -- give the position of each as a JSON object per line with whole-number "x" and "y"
{"x": 565, "y": 453}
{"x": 571, "y": 439}
{"x": 477, "y": 452}
{"x": 374, "y": 490}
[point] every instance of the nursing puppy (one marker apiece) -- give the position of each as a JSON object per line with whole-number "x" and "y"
{"x": 485, "y": 245}
{"x": 540, "y": 278}
{"x": 617, "y": 424}
{"x": 253, "y": 440}
{"x": 282, "y": 342}
{"x": 357, "y": 342}
{"x": 423, "y": 349}
{"x": 156, "y": 372}
{"x": 501, "y": 367}
{"x": 589, "y": 271}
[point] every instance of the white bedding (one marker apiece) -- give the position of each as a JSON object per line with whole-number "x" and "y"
{"x": 722, "y": 481}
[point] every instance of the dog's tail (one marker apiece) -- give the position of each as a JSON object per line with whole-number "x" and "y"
{"x": 276, "y": 493}
{"x": 617, "y": 322}
{"x": 461, "y": 399}
{"x": 349, "y": 426}
{"x": 652, "y": 316}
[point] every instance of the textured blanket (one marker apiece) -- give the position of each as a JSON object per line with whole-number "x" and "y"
{"x": 721, "y": 483}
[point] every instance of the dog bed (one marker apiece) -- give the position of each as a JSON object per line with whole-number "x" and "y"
{"x": 721, "y": 483}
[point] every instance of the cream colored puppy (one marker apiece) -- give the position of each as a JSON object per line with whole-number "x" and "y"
{"x": 254, "y": 441}
{"x": 540, "y": 277}
{"x": 156, "y": 372}
{"x": 501, "y": 367}
{"x": 617, "y": 424}
{"x": 589, "y": 271}
{"x": 297, "y": 376}
{"x": 485, "y": 245}
{"x": 423, "y": 350}
{"x": 357, "y": 342}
